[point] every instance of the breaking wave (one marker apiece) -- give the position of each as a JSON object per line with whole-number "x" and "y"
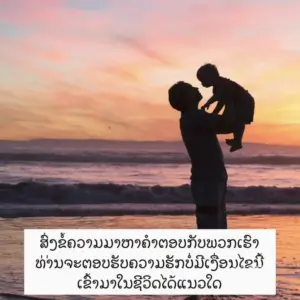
{"x": 37, "y": 199}
{"x": 140, "y": 158}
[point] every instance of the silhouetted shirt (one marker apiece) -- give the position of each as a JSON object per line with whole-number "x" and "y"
{"x": 198, "y": 130}
{"x": 234, "y": 96}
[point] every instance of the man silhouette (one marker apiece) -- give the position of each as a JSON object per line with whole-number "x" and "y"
{"x": 199, "y": 131}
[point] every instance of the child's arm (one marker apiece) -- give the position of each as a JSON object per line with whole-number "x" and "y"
{"x": 210, "y": 101}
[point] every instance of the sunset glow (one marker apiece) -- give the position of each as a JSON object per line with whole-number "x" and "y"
{"x": 102, "y": 68}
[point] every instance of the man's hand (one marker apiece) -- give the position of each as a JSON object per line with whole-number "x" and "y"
{"x": 205, "y": 106}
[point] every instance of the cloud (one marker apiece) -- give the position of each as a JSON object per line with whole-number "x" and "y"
{"x": 140, "y": 47}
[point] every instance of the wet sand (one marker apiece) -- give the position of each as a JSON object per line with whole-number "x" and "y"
{"x": 288, "y": 249}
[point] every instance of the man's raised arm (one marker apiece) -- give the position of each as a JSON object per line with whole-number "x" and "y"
{"x": 202, "y": 120}
{"x": 212, "y": 100}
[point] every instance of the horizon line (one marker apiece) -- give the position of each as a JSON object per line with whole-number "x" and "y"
{"x": 123, "y": 141}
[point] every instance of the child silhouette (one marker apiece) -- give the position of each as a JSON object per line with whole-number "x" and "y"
{"x": 238, "y": 102}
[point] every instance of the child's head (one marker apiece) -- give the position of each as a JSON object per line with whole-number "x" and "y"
{"x": 208, "y": 74}
{"x": 182, "y": 96}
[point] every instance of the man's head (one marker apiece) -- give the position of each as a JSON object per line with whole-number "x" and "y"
{"x": 183, "y": 96}
{"x": 208, "y": 75}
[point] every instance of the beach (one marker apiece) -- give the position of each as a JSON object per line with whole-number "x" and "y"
{"x": 288, "y": 240}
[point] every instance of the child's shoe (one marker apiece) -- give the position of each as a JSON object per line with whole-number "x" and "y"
{"x": 236, "y": 145}
{"x": 229, "y": 142}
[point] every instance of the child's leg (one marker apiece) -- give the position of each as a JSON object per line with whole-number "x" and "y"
{"x": 238, "y": 133}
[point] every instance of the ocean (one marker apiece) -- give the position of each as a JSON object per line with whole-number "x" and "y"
{"x": 262, "y": 178}
{"x": 139, "y": 163}
{"x": 104, "y": 184}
